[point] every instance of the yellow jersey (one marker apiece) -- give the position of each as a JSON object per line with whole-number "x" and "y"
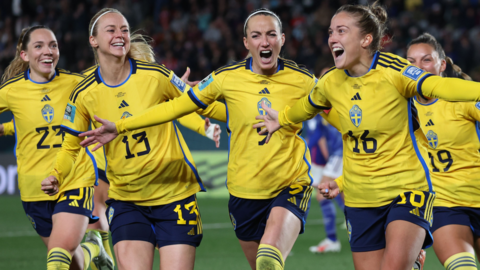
{"x": 38, "y": 114}
{"x": 256, "y": 170}
{"x": 151, "y": 166}
{"x": 191, "y": 121}
{"x": 8, "y": 128}
{"x": 378, "y": 124}
{"x": 453, "y": 143}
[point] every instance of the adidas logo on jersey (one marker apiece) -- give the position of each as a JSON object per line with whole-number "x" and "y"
{"x": 356, "y": 86}
{"x": 264, "y": 91}
{"x": 45, "y": 98}
{"x": 430, "y": 123}
{"x": 357, "y": 97}
{"x": 293, "y": 200}
{"x": 74, "y": 203}
{"x": 415, "y": 211}
{"x": 192, "y": 232}
{"x": 123, "y": 104}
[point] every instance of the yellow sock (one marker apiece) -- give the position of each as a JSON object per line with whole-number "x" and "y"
{"x": 58, "y": 259}
{"x": 106, "y": 244}
{"x": 269, "y": 258}
{"x": 90, "y": 251}
{"x": 461, "y": 261}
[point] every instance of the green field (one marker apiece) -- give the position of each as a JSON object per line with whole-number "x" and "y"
{"x": 21, "y": 248}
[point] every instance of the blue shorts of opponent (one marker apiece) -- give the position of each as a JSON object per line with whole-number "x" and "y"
{"x": 366, "y": 226}
{"x": 249, "y": 217}
{"x": 76, "y": 201}
{"x": 162, "y": 225}
{"x": 468, "y": 216}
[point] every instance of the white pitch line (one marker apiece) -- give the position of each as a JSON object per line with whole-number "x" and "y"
{"x": 209, "y": 226}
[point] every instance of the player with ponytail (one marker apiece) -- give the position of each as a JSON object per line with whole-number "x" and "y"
{"x": 36, "y": 92}
{"x": 452, "y": 143}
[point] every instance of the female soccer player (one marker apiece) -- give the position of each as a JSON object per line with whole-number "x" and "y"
{"x": 269, "y": 201}
{"x": 36, "y": 93}
{"x": 191, "y": 121}
{"x": 387, "y": 187}
{"x": 453, "y": 143}
{"x": 153, "y": 179}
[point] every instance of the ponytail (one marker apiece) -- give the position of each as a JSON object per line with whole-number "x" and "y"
{"x": 454, "y": 71}
{"x": 140, "y": 47}
{"x": 18, "y": 65}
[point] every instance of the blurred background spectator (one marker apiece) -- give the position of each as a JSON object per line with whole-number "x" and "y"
{"x": 207, "y": 34}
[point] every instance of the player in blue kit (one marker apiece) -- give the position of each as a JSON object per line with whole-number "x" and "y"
{"x": 332, "y": 170}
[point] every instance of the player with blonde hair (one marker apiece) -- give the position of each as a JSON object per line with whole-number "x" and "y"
{"x": 269, "y": 201}
{"x": 153, "y": 179}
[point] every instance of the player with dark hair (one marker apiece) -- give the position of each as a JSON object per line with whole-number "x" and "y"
{"x": 153, "y": 180}
{"x": 452, "y": 143}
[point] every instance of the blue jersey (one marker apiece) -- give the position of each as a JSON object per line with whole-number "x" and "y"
{"x": 334, "y": 141}
{"x": 315, "y": 130}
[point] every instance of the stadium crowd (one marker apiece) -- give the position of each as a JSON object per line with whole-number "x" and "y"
{"x": 206, "y": 34}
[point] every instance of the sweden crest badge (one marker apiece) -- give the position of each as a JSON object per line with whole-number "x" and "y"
{"x": 126, "y": 115}
{"x": 259, "y": 106}
{"x": 432, "y": 139}
{"x": 356, "y": 115}
{"x": 48, "y": 113}
{"x": 110, "y": 214}
{"x": 234, "y": 222}
{"x": 32, "y": 221}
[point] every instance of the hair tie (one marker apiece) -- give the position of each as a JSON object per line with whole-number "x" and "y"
{"x": 93, "y": 25}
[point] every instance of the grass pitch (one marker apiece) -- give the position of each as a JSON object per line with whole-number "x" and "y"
{"x": 21, "y": 248}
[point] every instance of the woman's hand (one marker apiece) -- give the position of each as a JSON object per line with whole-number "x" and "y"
{"x": 329, "y": 189}
{"x": 100, "y": 136}
{"x": 212, "y": 131}
{"x": 270, "y": 122}
{"x": 50, "y": 185}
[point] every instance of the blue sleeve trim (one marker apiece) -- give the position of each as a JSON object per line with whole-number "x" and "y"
{"x": 16, "y": 138}
{"x": 71, "y": 131}
{"x": 200, "y": 183}
{"x": 316, "y": 106}
{"x": 415, "y": 146}
{"x": 419, "y": 85}
{"x": 229, "y": 132}
{"x": 196, "y": 100}
{"x": 94, "y": 164}
{"x": 305, "y": 158}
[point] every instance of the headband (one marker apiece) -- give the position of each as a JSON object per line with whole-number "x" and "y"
{"x": 93, "y": 25}
{"x": 261, "y": 11}
{"x": 32, "y": 28}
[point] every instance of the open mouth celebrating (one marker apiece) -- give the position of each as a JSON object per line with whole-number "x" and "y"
{"x": 266, "y": 56}
{"x": 338, "y": 52}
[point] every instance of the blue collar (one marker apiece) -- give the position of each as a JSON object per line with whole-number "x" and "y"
{"x": 372, "y": 66}
{"x": 30, "y": 79}
{"x": 250, "y": 61}
{"x": 113, "y": 86}
{"x": 420, "y": 103}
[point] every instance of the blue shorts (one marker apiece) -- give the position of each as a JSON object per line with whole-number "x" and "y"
{"x": 249, "y": 217}
{"x": 76, "y": 201}
{"x": 366, "y": 226}
{"x": 103, "y": 176}
{"x": 467, "y": 216}
{"x": 175, "y": 223}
